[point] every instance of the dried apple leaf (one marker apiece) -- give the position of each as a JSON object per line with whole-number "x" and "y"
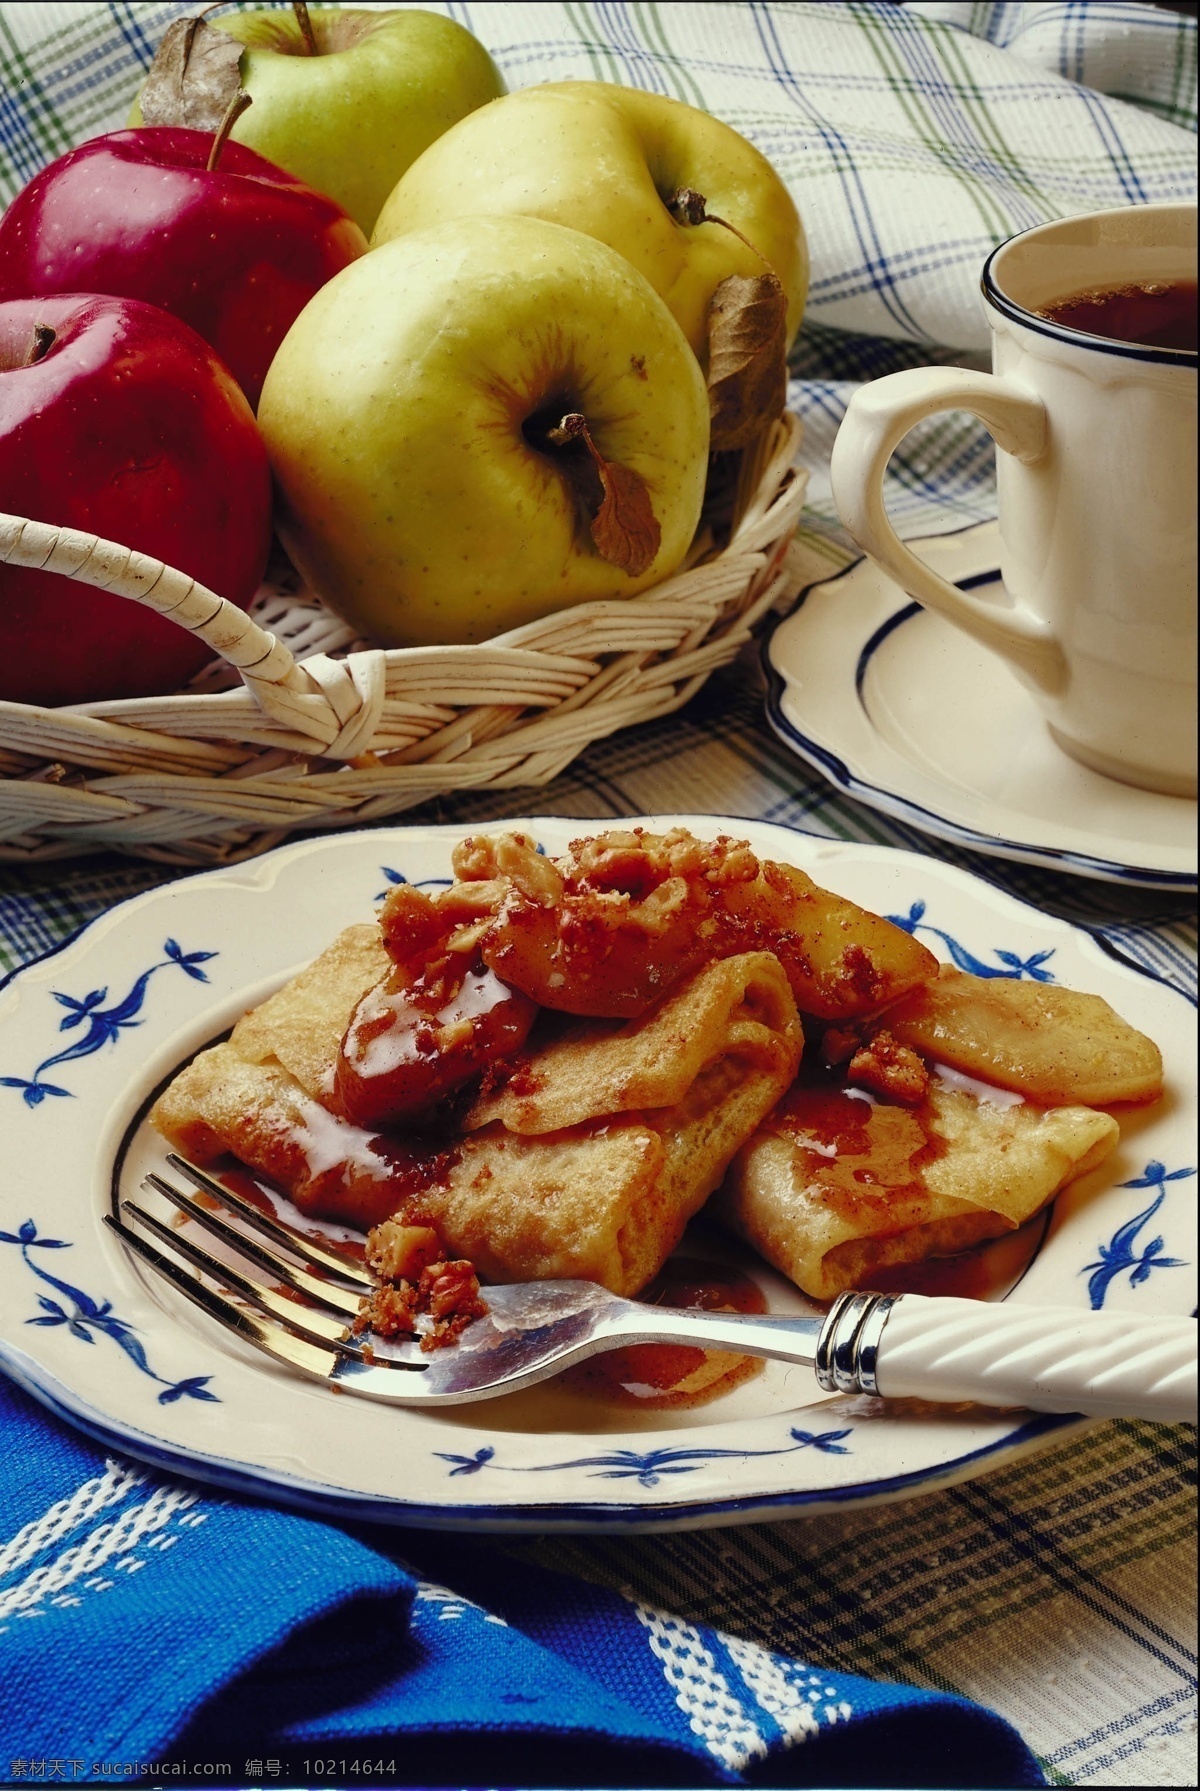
{"x": 614, "y": 498}
{"x": 625, "y": 528}
{"x": 747, "y": 339}
{"x": 747, "y": 358}
{"x": 194, "y": 77}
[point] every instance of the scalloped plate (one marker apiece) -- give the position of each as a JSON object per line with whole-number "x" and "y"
{"x": 89, "y": 1032}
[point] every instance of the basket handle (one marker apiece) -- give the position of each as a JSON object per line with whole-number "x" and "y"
{"x": 336, "y": 710}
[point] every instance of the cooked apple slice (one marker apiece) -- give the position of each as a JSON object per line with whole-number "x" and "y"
{"x": 1055, "y": 1046}
{"x": 841, "y": 960}
{"x": 608, "y": 929}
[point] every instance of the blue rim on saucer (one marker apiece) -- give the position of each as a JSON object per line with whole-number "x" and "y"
{"x": 834, "y": 767}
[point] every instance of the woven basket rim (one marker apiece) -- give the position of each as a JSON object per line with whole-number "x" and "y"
{"x": 353, "y": 733}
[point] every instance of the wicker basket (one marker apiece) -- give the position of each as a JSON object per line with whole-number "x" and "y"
{"x": 300, "y": 726}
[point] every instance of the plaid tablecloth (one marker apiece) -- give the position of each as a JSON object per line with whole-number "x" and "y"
{"x": 1059, "y": 1591}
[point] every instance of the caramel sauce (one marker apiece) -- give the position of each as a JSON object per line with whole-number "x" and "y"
{"x": 671, "y": 1374}
{"x": 867, "y": 1151}
{"x": 409, "y": 1046}
{"x": 276, "y": 1205}
{"x": 415, "y": 1168}
{"x": 405, "y": 1023}
{"x": 860, "y": 1149}
{"x": 415, "y": 1165}
{"x": 965, "y": 1277}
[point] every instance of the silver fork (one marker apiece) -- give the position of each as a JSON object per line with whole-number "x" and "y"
{"x": 885, "y": 1345}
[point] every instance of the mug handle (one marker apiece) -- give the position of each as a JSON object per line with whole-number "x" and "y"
{"x": 877, "y": 419}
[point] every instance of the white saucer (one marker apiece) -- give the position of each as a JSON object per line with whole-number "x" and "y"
{"x": 905, "y": 713}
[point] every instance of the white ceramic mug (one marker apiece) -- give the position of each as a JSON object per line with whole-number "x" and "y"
{"x": 1097, "y": 494}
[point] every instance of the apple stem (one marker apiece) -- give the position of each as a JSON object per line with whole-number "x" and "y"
{"x": 306, "y": 30}
{"x": 573, "y": 425}
{"x": 687, "y": 206}
{"x": 232, "y": 113}
{"x": 40, "y": 344}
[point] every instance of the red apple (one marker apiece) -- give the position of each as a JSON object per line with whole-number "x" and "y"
{"x": 116, "y": 418}
{"x": 237, "y": 250}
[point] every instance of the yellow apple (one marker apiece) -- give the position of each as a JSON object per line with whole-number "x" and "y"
{"x": 605, "y": 160}
{"x": 408, "y": 412}
{"x": 351, "y": 118}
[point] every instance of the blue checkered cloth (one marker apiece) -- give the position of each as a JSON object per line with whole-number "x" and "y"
{"x": 145, "y": 1621}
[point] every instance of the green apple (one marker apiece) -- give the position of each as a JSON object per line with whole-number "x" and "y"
{"x": 350, "y": 119}
{"x": 407, "y": 415}
{"x": 604, "y": 160}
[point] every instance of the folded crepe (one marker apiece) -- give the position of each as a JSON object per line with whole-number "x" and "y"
{"x": 589, "y": 1163}
{"x": 302, "y": 1025}
{"x": 836, "y": 1186}
{"x": 604, "y": 1143}
{"x": 260, "y": 1113}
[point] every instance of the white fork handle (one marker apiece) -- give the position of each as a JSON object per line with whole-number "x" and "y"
{"x": 1106, "y": 1365}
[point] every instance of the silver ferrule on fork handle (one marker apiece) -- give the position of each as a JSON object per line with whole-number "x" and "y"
{"x": 909, "y": 1346}
{"x": 848, "y": 1347}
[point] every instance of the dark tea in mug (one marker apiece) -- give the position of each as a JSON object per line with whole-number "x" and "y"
{"x": 1158, "y": 314}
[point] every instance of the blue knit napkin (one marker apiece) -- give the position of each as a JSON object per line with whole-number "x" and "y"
{"x": 148, "y": 1629}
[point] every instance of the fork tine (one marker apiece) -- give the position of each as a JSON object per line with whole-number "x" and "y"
{"x": 295, "y": 1352}
{"x": 323, "y": 1293}
{"x": 336, "y": 1367}
{"x": 306, "y": 1248}
{"x": 317, "y": 1326}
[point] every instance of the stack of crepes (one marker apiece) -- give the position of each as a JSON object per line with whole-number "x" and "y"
{"x": 552, "y": 1064}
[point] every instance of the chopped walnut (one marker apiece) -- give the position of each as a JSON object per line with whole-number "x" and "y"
{"x": 607, "y": 858}
{"x": 465, "y": 940}
{"x": 662, "y": 905}
{"x": 389, "y": 1311}
{"x": 411, "y": 925}
{"x": 535, "y": 875}
{"x": 860, "y": 971}
{"x": 889, "y": 1069}
{"x": 417, "y": 1283}
{"x": 398, "y": 1252}
{"x": 472, "y": 897}
{"x": 449, "y": 1293}
{"x": 454, "y": 1035}
{"x": 513, "y": 856}
{"x": 731, "y": 861}
{"x": 636, "y": 861}
{"x": 474, "y": 859}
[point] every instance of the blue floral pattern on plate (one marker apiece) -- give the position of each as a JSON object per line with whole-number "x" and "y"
{"x": 1008, "y": 964}
{"x": 104, "y": 1024}
{"x": 394, "y": 877}
{"x": 647, "y": 1468}
{"x": 1118, "y": 1255}
{"x": 87, "y": 1315}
